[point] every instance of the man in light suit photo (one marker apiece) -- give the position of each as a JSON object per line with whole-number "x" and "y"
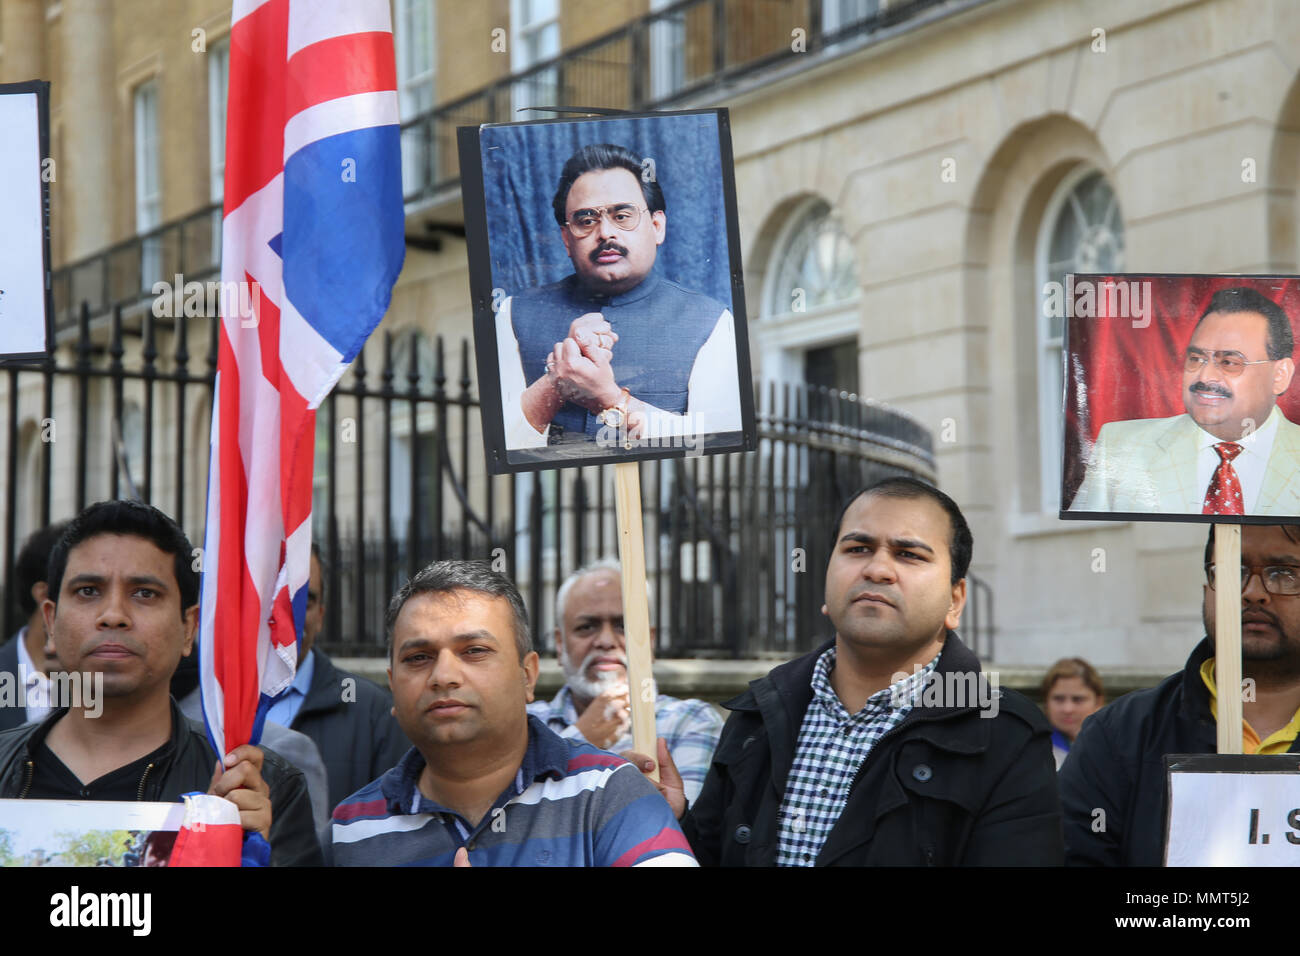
{"x": 1233, "y": 452}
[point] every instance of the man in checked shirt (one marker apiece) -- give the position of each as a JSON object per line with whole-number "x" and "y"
{"x": 884, "y": 746}
{"x": 593, "y": 704}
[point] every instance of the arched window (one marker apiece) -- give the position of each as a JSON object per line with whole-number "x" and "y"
{"x": 809, "y": 331}
{"x": 1082, "y": 231}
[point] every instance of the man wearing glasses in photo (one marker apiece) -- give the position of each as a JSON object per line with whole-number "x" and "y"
{"x": 614, "y": 346}
{"x": 1233, "y": 453}
{"x": 1113, "y": 782}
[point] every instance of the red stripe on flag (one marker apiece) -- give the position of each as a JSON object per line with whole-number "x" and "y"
{"x": 297, "y": 450}
{"x": 297, "y": 443}
{"x": 268, "y": 335}
{"x": 255, "y": 105}
{"x": 340, "y": 66}
{"x": 238, "y": 683}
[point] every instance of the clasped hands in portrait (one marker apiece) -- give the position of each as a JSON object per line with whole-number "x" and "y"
{"x": 580, "y": 369}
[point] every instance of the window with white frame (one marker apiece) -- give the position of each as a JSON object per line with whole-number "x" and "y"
{"x": 1082, "y": 231}
{"x": 148, "y": 178}
{"x": 414, "y": 36}
{"x": 844, "y": 14}
{"x": 810, "y": 317}
{"x": 218, "y": 91}
{"x": 535, "y": 37}
{"x": 667, "y": 51}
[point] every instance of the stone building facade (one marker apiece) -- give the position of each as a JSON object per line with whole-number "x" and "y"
{"x": 905, "y": 193}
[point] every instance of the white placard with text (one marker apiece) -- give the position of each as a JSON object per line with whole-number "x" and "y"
{"x": 22, "y": 228}
{"x": 1234, "y": 816}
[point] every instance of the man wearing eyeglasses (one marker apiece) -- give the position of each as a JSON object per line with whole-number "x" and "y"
{"x": 1233, "y": 452}
{"x": 614, "y": 348}
{"x": 1113, "y": 781}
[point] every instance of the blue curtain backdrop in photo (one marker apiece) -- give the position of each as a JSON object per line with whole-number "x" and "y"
{"x": 521, "y": 169}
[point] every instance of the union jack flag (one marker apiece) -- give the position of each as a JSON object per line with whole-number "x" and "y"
{"x": 313, "y": 226}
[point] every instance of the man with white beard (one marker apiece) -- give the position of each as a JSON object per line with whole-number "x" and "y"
{"x": 593, "y": 703}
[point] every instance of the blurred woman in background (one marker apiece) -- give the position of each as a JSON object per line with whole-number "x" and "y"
{"x": 1072, "y": 690}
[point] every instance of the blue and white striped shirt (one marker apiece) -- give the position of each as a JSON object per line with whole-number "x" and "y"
{"x": 569, "y": 805}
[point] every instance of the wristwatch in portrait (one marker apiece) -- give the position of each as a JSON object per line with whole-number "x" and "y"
{"x": 616, "y": 415}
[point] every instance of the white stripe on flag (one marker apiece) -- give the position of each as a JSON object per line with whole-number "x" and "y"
{"x": 345, "y": 114}
{"x": 245, "y": 244}
{"x": 243, "y": 8}
{"x": 297, "y": 556}
{"x": 313, "y": 365}
{"x": 311, "y": 21}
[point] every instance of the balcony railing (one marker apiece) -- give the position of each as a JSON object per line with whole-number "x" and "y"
{"x": 124, "y": 274}
{"x": 661, "y": 60}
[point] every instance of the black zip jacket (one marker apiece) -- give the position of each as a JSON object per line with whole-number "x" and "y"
{"x": 185, "y": 766}
{"x": 945, "y": 787}
{"x": 1113, "y": 788}
{"x": 353, "y": 727}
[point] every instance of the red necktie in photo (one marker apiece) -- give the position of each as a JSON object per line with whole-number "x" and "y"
{"x": 1223, "y": 497}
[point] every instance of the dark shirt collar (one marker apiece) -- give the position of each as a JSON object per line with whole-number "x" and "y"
{"x": 638, "y": 292}
{"x": 547, "y": 755}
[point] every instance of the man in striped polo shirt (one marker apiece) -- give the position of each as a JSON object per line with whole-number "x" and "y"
{"x": 485, "y": 783}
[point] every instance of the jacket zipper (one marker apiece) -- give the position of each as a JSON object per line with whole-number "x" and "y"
{"x": 139, "y": 794}
{"x": 27, "y": 785}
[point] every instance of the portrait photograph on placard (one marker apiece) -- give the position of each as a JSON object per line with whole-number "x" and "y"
{"x": 1179, "y": 399}
{"x": 88, "y": 833}
{"x": 605, "y": 271}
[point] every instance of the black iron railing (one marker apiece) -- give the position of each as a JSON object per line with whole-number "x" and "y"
{"x": 736, "y": 545}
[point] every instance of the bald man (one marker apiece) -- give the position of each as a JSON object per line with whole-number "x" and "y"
{"x": 593, "y": 703}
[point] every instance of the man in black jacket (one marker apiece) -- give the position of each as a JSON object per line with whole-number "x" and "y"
{"x": 1113, "y": 788}
{"x": 887, "y": 745}
{"x": 349, "y": 717}
{"x": 122, "y": 611}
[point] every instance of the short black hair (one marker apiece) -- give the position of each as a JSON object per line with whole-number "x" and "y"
{"x": 1291, "y": 531}
{"x": 444, "y": 577}
{"x": 962, "y": 544}
{"x": 137, "y": 519}
{"x": 605, "y": 156}
{"x": 33, "y": 564}
{"x": 1281, "y": 340}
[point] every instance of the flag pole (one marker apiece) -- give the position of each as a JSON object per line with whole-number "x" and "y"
{"x": 1227, "y": 636}
{"x": 642, "y": 692}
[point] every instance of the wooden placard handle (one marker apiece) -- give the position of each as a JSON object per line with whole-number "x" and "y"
{"x": 1227, "y": 635}
{"x": 642, "y": 692}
